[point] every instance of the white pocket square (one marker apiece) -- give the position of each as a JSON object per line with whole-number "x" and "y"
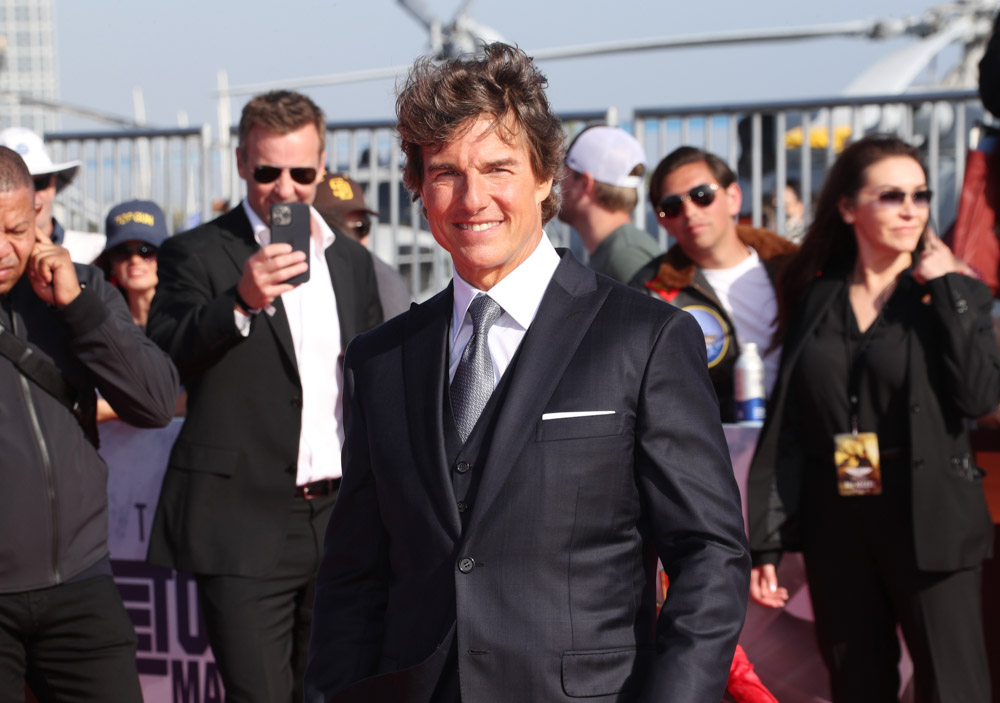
{"x": 580, "y": 413}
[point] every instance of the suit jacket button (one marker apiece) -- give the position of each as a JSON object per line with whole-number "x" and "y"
{"x": 466, "y": 564}
{"x": 915, "y": 408}
{"x": 918, "y": 463}
{"x": 463, "y": 467}
{"x": 462, "y": 506}
{"x": 296, "y": 403}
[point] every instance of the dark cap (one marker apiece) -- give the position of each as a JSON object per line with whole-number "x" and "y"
{"x": 338, "y": 195}
{"x": 142, "y": 220}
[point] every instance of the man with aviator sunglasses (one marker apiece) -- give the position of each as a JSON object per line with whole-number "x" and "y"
{"x": 255, "y": 470}
{"x": 720, "y": 272}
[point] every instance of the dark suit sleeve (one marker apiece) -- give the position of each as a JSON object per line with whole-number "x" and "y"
{"x": 989, "y": 72}
{"x": 351, "y": 587}
{"x": 686, "y": 478}
{"x": 131, "y": 373}
{"x": 962, "y": 306}
{"x": 190, "y": 318}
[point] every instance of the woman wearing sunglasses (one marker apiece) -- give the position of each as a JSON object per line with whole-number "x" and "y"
{"x": 864, "y": 463}
{"x": 135, "y": 231}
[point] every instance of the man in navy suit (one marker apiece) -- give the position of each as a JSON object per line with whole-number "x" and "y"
{"x": 521, "y": 447}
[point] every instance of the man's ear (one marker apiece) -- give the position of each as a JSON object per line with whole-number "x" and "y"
{"x": 735, "y": 194}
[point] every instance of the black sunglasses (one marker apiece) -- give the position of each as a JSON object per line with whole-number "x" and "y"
{"x": 702, "y": 196}
{"x": 43, "y": 182}
{"x": 361, "y": 227}
{"x": 303, "y": 175}
{"x": 895, "y": 197}
{"x": 123, "y": 252}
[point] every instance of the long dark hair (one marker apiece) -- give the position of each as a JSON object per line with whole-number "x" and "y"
{"x": 829, "y": 243}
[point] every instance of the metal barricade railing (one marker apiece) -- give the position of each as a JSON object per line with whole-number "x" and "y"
{"x": 169, "y": 166}
{"x": 768, "y": 144}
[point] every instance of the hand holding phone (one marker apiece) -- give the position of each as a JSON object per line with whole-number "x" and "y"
{"x": 292, "y": 223}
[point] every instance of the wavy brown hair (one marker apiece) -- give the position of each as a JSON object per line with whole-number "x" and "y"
{"x": 829, "y": 244}
{"x": 439, "y": 101}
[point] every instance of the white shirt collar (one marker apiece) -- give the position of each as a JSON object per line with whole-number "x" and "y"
{"x": 519, "y": 293}
{"x": 262, "y": 233}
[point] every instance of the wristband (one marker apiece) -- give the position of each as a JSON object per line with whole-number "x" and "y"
{"x": 245, "y": 306}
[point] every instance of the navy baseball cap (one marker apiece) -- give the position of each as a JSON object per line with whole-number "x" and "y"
{"x": 142, "y": 220}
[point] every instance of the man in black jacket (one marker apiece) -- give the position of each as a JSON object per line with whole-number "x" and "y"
{"x": 63, "y": 333}
{"x": 255, "y": 470}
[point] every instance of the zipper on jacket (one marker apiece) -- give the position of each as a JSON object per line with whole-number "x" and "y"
{"x": 43, "y": 448}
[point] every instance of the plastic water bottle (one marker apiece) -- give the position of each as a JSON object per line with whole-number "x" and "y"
{"x": 749, "y": 381}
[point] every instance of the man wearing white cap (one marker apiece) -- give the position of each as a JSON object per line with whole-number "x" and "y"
{"x": 51, "y": 178}
{"x": 604, "y": 166}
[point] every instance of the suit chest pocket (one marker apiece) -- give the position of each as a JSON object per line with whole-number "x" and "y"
{"x": 579, "y": 427}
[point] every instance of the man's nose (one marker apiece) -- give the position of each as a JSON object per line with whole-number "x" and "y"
{"x": 284, "y": 187}
{"x": 474, "y": 194}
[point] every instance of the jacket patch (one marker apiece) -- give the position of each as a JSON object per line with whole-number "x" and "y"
{"x": 715, "y": 329}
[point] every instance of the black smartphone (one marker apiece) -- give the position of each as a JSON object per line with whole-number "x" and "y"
{"x": 290, "y": 222}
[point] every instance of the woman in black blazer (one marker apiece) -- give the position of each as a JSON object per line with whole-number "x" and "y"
{"x": 864, "y": 462}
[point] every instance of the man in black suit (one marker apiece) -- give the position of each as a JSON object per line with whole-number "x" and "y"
{"x": 520, "y": 449}
{"x": 256, "y": 468}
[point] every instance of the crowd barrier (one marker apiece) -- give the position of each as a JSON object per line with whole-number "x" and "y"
{"x": 175, "y": 661}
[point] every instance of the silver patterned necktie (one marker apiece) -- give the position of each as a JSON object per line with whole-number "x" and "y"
{"x": 473, "y": 383}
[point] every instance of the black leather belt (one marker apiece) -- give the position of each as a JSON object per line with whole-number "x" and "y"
{"x": 323, "y": 487}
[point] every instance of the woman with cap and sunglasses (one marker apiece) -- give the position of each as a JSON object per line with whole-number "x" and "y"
{"x": 864, "y": 462}
{"x": 135, "y": 231}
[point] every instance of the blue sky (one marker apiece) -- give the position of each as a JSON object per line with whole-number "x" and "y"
{"x": 174, "y": 50}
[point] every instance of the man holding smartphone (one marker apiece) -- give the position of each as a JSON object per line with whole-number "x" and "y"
{"x": 256, "y": 468}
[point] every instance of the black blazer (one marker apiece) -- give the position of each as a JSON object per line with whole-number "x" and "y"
{"x": 550, "y": 588}
{"x": 953, "y": 373}
{"x": 226, "y": 494}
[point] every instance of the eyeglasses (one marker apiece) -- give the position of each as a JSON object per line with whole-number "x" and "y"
{"x": 303, "y": 175}
{"x": 894, "y": 197}
{"x": 361, "y": 227}
{"x": 124, "y": 252}
{"x": 43, "y": 182}
{"x": 702, "y": 196}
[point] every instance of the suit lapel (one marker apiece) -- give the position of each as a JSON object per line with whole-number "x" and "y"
{"x": 241, "y": 245}
{"x": 571, "y": 302}
{"x": 425, "y": 354}
{"x": 342, "y": 280}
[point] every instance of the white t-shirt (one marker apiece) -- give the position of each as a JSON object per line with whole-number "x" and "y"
{"x": 747, "y": 296}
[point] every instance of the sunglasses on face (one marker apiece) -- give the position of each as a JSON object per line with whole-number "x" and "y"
{"x": 702, "y": 196}
{"x": 361, "y": 227}
{"x": 124, "y": 252}
{"x": 894, "y": 197}
{"x": 303, "y": 175}
{"x": 42, "y": 182}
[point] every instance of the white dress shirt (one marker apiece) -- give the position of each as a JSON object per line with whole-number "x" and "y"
{"x": 519, "y": 293}
{"x": 311, "y": 309}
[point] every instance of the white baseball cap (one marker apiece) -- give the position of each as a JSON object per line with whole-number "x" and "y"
{"x": 607, "y": 153}
{"x": 30, "y": 147}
